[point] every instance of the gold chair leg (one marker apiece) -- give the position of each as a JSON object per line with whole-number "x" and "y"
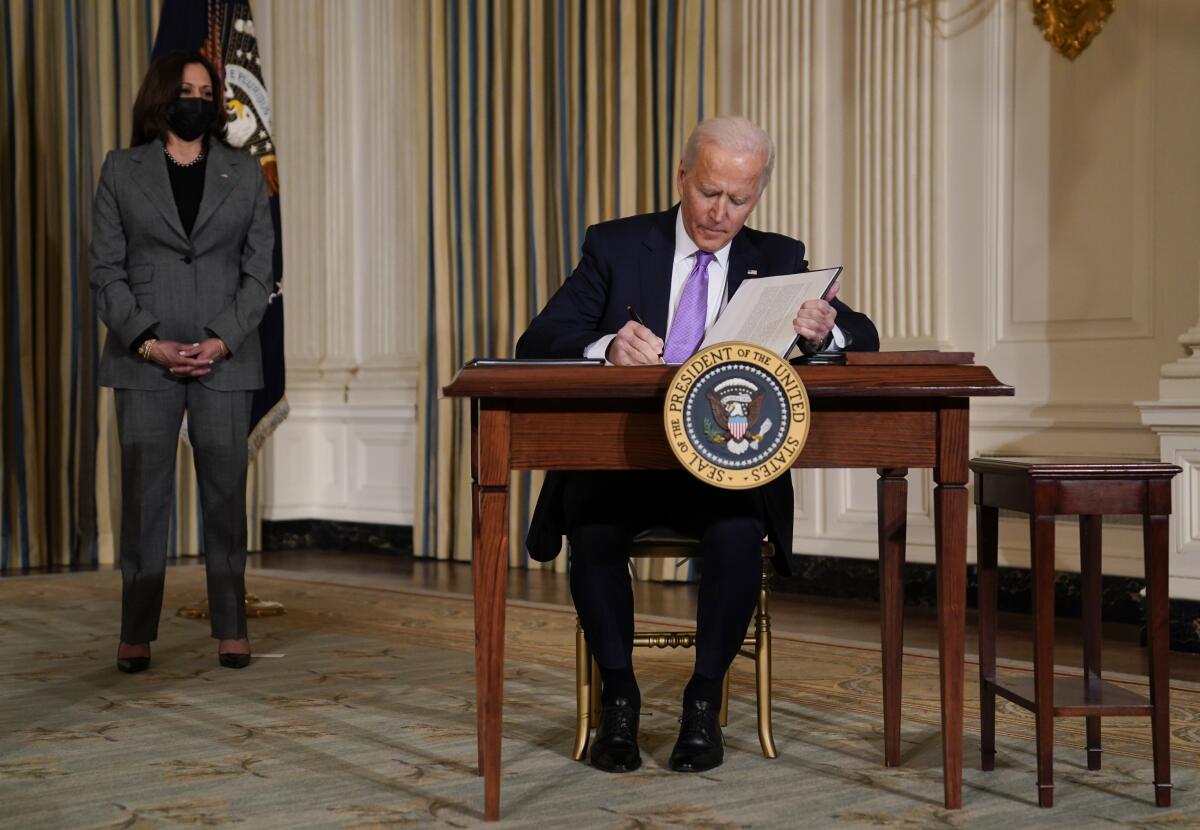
{"x": 595, "y": 720}
{"x": 587, "y": 675}
{"x": 725, "y": 699}
{"x": 762, "y": 665}
{"x": 584, "y": 680}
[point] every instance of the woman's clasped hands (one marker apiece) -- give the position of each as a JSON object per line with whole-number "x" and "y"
{"x": 188, "y": 360}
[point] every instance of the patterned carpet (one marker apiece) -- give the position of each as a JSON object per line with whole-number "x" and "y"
{"x": 367, "y": 721}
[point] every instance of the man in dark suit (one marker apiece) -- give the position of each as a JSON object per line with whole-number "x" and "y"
{"x": 678, "y": 269}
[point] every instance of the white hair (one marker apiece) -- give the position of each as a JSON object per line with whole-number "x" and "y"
{"x": 735, "y": 134}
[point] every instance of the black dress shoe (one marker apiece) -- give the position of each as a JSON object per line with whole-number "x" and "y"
{"x": 233, "y": 661}
{"x": 700, "y": 745}
{"x": 133, "y": 665}
{"x": 615, "y": 748}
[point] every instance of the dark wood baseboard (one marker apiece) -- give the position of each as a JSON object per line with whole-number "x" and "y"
{"x": 329, "y": 535}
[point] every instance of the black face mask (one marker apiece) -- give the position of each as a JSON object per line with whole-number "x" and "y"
{"x": 191, "y": 118}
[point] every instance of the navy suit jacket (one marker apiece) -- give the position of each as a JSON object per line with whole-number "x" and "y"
{"x": 628, "y": 262}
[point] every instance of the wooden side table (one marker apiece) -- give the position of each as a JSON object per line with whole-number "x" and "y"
{"x": 1045, "y": 488}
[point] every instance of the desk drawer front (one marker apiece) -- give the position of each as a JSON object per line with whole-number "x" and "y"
{"x": 591, "y": 439}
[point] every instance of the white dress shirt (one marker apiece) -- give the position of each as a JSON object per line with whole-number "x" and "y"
{"x": 681, "y": 269}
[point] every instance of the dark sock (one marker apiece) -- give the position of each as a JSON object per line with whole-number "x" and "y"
{"x": 617, "y": 683}
{"x": 703, "y": 688}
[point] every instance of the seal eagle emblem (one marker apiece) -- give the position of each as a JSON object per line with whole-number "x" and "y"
{"x": 737, "y": 407}
{"x": 736, "y": 415}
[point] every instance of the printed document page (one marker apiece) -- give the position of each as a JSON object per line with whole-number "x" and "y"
{"x": 762, "y": 309}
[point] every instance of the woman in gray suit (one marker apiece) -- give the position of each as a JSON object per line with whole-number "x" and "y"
{"x": 181, "y": 272}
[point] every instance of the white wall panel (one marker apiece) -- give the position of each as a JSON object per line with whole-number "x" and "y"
{"x": 345, "y": 462}
{"x": 348, "y": 81}
{"x": 988, "y": 195}
{"x": 1082, "y": 187}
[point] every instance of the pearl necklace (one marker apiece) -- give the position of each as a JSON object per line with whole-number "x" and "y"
{"x": 194, "y": 161}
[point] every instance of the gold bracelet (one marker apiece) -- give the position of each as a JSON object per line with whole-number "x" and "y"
{"x": 145, "y": 350}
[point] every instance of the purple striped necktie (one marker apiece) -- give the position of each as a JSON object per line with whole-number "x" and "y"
{"x": 687, "y": 329}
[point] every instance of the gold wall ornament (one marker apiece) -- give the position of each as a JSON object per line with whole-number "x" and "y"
{"x": 1070, "y": 25}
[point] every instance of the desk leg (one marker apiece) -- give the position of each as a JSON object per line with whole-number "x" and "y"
{"x": 987, "y": 525}
{"x": 1091, "y": 598}
{"x": 892, "y": 493}
{"x": 490, "y": 572}
{"x": 476, "y": 559}
{"x": 1158, "y": 636}
{"x": 1041, "y": 550}
{"x": 950, "y": 530}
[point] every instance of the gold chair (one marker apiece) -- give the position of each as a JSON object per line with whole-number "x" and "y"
{"x": 660, "y": 544}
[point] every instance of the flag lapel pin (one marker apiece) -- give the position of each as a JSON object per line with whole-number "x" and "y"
{"x": 753, "y": 272}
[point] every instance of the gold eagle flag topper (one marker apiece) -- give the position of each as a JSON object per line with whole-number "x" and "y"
{"x": 736, "y": 415}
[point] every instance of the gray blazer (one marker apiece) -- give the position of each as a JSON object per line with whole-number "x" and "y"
{"x": 147, "y": 272}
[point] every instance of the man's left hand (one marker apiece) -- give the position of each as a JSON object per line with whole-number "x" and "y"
{"x": 815, "y": 320}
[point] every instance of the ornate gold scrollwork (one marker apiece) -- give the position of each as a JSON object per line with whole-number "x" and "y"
{"x": 1070, "y": 25}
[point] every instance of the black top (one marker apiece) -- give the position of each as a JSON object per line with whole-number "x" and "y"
{"x": 187, "y": 183}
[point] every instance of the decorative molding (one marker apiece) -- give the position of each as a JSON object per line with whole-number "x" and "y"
{"x": 778, "y": 45}
{"x": 1015, "y": 427}
{"x": 295, "y": 59}
{"x": 853, "y": 510}
{"x": 349, "y": 462}
{"x": 353, "y": 246}
{"x": 896, "y": 72}
{"x": 1187, "y": 540}
{"x": 1177, "y": 423}
{"x": 1046, "y": 87}
{"x": 1094, "y": 416}
{"x": 1188, "y": 366}
{"x": 381, "y": 184}
{"x": 806, "y": 487}
{"x": 997, "y": 134}
{"x": 389, "y": 241}
{"x": 345, "y": 60}
{"x": 381, "y": 452}
{"x": 1181, "y": 378}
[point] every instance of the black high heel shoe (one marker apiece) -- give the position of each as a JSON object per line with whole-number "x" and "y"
{"x": 233, "y": 661}
{"x": 133, "y": 665}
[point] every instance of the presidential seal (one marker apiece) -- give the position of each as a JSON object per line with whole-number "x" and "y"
{"x": 736, "y": 415}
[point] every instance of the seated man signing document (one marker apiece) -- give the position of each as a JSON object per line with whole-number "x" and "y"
{"x": 676, "y": 269}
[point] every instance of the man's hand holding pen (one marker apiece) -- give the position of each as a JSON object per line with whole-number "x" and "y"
{"x": 635, "y": 344}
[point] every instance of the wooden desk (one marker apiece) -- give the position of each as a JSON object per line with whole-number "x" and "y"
{"x": 890, "y": 417}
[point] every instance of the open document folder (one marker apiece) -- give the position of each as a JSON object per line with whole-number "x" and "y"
{"x": 762, "y": 309}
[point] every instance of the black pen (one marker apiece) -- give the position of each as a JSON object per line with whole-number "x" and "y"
{"x": 635, "y": 317}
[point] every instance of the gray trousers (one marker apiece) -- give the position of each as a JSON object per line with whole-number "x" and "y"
{"x": 148, "y": 423}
